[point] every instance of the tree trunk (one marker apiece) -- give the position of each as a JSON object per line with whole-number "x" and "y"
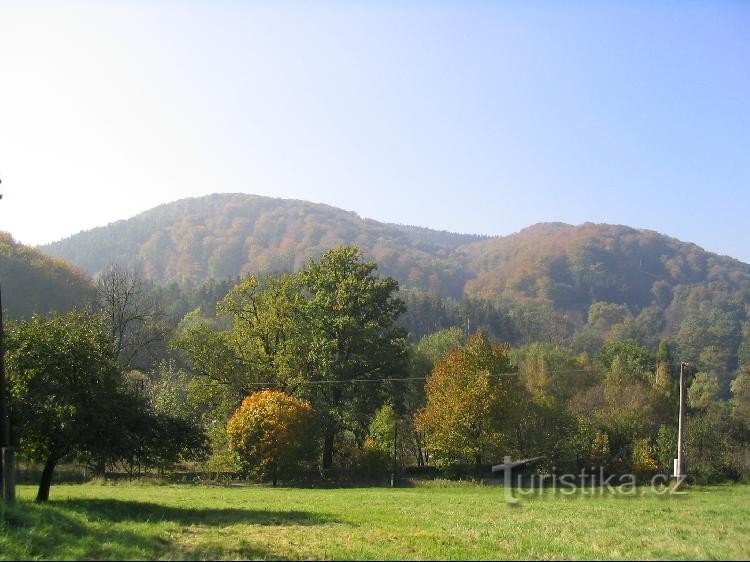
{"x": 420, "y": 453}
{"x": 478, "y": 466}
{"x": 328, "y": 449}
{"x": 46, "y": 481}
{"x": 100, "y": 468}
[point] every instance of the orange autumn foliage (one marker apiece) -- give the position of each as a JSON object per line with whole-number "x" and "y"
{"x": 272, "y": 433}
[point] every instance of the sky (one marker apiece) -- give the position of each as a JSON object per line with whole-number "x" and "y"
{"x": 480, "y": 117}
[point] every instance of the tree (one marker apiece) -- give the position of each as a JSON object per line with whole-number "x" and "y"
{"x": 387, "y": 429}
{"x": 549, "y": 370}
{"x": 272, "y": 432}
{"x": 212, "y": 354}
{"x": 743, "y": 353}
{"x": 350, "y": 335}
{"x": 69, "y": 398}
{"x": 133, "y": 314}
{"x": 268, "y": 327}
{"x": 433, "y": 347}
{"x": 703, "y": 393}
{"x": 470, "y": 404}
{"x": 63, "y": 383}
{"x": 632, "y": 358}
{"x": 741, "y": 397}
{"x": 318, "y": 334}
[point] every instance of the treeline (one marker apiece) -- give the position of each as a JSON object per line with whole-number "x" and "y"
{"x": 333, "y": 369}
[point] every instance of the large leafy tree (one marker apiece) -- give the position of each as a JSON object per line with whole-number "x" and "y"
{"x": 64, "y": 387}
{"x": 268, "y": 327}
{"x": 320, "y": 334}
{"x": 351, "y": 337}
{"x": 471, "y": 404}
{"x": 68, "y": 398}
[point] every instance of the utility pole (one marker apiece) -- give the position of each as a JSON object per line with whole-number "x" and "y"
{"x": 679, "y": 465}
{"x": 394, "y": 468}
{"x": 6, "y": 447}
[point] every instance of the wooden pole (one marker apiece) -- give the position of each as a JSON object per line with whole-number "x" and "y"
{"x": 8, "y": 457}
{"x": 680, "y": 469}
{"x": 394, "y": 468}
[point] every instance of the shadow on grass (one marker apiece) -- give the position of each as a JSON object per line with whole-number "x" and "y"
{"x": 31, "y": 531}
{"x": 73, "y": 529}
{"x": 139, "y": 512}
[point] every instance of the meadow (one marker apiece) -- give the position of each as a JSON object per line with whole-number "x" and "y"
{"x": 148, "y": 521}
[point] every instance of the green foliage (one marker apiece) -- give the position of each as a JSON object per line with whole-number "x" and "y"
{"x": 544, "y": 427}
{"x": 666, "y": 448}
{"x": 351, "y": 314}
{"x": 632, "y": 358}
{"x": 433, "y": 347}
{"x": 68, "y": 398}
{"x": 388, "y": 430}
{"x": 743, "y": 353}
{"x": 710, "y": 446}
{"x": 211, "y": 354}
{"x": 703, "y": 392}
{"x": 741, "y": 397}
{"x": 332, "y": 321}
{"x": 604, "y": 315}
{"x": 63, "y": 384}
{"x": 552, "y": 371}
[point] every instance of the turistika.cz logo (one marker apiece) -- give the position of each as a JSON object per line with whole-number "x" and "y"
{"x": 585, "y": 484}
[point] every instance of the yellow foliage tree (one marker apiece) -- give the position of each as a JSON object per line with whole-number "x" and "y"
{"x": 272, "y": 433}
{"x": 643, "y": 461}
{"x": 470, "y": 404}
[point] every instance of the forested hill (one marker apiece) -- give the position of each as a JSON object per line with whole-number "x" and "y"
{"x": 568, "y": 267}
{"x": 33, "y": 282}
{"x": 575, "y": 266}
{"x": 577, "y": 286}
{"x": 225, "y": 235}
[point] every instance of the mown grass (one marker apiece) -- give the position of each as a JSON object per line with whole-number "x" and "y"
{"x": 131, "y": 521}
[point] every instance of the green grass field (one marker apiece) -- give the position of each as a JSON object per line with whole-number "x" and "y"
{"x": 94, "y": 521}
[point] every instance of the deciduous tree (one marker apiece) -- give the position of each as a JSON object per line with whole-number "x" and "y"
{"x": 470, "y": 404}
{"x": 272, "y": 433}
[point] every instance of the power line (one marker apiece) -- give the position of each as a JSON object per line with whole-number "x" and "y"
{"x": 395, "y": 379}
{"x": 407, "y": 379}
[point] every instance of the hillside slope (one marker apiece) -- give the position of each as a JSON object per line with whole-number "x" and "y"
{"x": 575, "y": 266}
{"x": 568, "y": 267}
{"x": 577, "y": 286}
{"x": 33, "y": 282}
{"x": 226, "y": 235}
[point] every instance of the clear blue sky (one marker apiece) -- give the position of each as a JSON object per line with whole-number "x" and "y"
{"x": 468, "y": 116}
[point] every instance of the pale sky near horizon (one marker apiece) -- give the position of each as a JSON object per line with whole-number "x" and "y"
{"x": 480, "y": 117}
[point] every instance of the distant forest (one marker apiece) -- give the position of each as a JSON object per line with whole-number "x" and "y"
{"x": 554, "y": 283}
